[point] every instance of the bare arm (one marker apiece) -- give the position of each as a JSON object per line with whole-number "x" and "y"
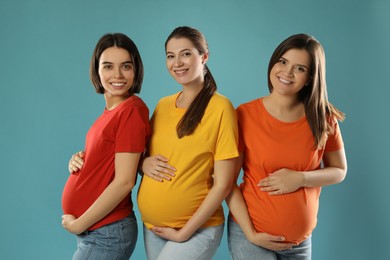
{"x": 239, "y": 210}
{"x": 286, "y": 180}
{"x": 125, "y": 173}
{"x": 223, "y": 178}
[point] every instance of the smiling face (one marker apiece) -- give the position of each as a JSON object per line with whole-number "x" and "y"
{"x": 291, "y": 72}
{"x": 116, "y": 73}
{"x": 184, "y": 62}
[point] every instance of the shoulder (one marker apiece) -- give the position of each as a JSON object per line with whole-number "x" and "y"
{"x": 167, "y": 99}
{"x": 220, "y": 101}
{"x": 134, "y": 102}
{"x": 250, "y": 105}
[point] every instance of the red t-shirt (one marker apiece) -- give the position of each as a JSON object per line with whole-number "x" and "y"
{"x": 269, "y": 145}
{"x": 123, "y": 129}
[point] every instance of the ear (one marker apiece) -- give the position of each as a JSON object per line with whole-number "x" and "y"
{"x": 205, "y": 57}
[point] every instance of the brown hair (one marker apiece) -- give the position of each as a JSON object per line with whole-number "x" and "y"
{"x": 121, "y": 41}
{"x": 314, "y": 95}
{"x": 195, "y": 111}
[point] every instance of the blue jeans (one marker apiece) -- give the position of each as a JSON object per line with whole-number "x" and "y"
{"x": 202, "y": 245}
{"x": 241, "y": 248}
{"x": 113, "y": 241}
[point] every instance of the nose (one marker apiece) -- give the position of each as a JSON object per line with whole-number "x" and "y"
{"x": 177, "y": 61}
{"x": 118, "y": 72}
{"x": 289, "y": 70}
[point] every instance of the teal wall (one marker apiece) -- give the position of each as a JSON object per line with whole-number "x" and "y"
{"x": 48, "y": 103}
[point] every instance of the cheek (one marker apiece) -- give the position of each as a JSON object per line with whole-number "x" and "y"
{"x": 102, "y": 76}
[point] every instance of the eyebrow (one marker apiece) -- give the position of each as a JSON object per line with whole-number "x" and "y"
{"x": 109, "y": 62}
{"x": 297, "y": 64}
{"x": 179, "y": 51}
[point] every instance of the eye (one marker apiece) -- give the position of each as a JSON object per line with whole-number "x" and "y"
{"x": 127, "y": 66}
{"x": 282, "y": 61}
{"x": 170, "y": 56}
{"x": 107, "y": 66}
{"x": 186, "y": 54}
{"x": 300, "y": 69}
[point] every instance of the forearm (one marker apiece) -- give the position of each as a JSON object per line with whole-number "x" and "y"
{"x": 115, "y": 192}
{"x": 208, "y": 207}
{"x": 334, "y": 171}
{"x": 323, "y": 177}
{"x": 239, "y": 210}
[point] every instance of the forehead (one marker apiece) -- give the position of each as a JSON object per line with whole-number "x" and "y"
{"x": 298, "y": 56}
{"x": 179, "y": 44}
{"x": 114, "y": 54}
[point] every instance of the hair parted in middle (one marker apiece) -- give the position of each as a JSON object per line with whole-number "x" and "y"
{"x": 119, "y": 40}
{"x": 195, "y": 111}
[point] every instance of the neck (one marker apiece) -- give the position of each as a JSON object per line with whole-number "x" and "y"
{"x": 284, "y": 108}
{"x": 113, "y": 102}
{"x": 188, "y": 95}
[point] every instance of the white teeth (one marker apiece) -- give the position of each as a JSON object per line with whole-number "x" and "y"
{"x": 180, "y": 71}
{"x": 117, "y": 84}
{"x": 284, "y": 81}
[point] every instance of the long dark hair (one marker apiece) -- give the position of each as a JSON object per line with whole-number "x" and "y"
{"x": 314, "y": 95}
{"x": 121, "y": 41}
{"x": 195, "y": 111}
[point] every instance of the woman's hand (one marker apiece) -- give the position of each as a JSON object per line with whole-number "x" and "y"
{"x": 170, "y": 234}
{"x": 270, "y": 242}
{"x": 281, "y": 182}
{"x": 76, "y": 162}
{"x": 157, "y": 168}
{"x": 69, "y": 223}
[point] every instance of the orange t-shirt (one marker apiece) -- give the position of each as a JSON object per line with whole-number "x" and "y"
{"x": 269, "y": 145}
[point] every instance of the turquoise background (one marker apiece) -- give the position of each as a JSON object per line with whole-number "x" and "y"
{"x": 48, "y": 103}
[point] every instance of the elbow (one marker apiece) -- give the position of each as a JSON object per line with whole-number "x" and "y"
{"x": 126, "y": 186}
{"x": 343, "y": 174}
{"x": 225, "y": 188}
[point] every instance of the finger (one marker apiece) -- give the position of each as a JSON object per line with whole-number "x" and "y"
{"x": 153, "y": 176}
{"x": 269, "y": 189}
{"x": 277, "y": 192}
{"x": 276, "y": 238}
{"x": 161, "y": 158}
{"x": 265, "y": 182}
{"x": 81, "y": 154}
{"x": 165, "y": 170}
{"x": 163, "y": 176}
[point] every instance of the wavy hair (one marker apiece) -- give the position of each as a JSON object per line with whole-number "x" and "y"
{"x": 121, "y": 41}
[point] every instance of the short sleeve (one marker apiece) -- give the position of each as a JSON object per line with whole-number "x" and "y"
{"x": 133, "y": 129}
{"x": 335, "y": 140}
{"x": 240, "y": 119}
{"x": 226, "y": 146}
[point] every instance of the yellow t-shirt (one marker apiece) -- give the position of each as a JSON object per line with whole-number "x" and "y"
{"x": 172, "y": 203}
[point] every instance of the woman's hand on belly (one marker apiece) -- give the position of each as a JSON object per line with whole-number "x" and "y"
{"x": 281, "y": 182}
{"x": 157, "y": 168}
{"x": 69, "y": 222}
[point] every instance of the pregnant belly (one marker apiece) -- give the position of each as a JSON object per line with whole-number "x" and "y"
{"x": 292, "y": 215}
{"x": 163, "y": 205}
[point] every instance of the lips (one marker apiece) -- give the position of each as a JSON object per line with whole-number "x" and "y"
{"x": 118, "y": 84}
{"x": 284, "y": 81}
{"x": 180, "y": 72}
